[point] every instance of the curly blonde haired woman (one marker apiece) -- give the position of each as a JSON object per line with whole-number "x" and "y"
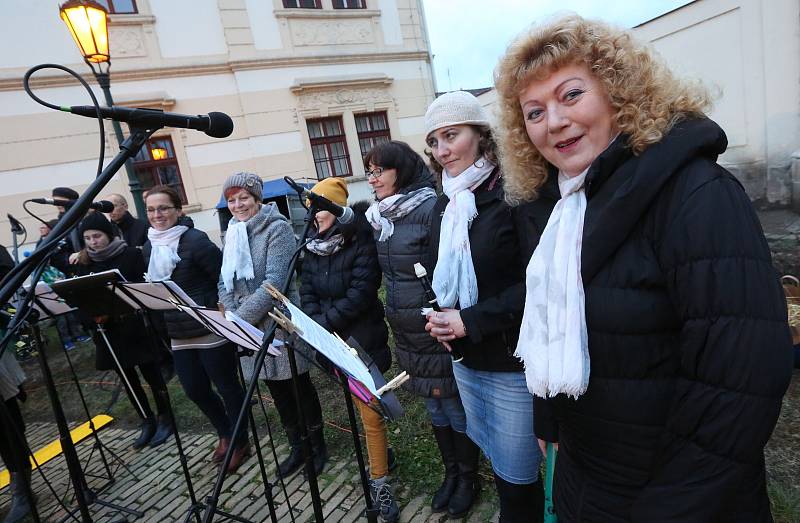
{"x": 654, "y": 335}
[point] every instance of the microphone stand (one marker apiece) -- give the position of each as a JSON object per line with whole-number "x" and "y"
{"x": 15, "y": 279}
{"x": 313, "y": 487}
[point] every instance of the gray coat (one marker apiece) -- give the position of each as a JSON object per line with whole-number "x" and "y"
{"x": 271, "y": 246}
{"x": 426, "y": 361}
{"x": 11, "y": 375}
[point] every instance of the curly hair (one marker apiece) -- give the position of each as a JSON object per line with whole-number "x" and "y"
{"x": 486, "y": 147}
{"x": 647, "y": 98}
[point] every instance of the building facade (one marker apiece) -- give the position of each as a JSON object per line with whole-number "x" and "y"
{"x": 311, "y": 85}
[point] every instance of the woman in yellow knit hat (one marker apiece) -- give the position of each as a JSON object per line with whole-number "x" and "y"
{"x": 339, "y": 290}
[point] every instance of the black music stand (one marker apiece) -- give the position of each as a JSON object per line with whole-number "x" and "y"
{"x": 167, "y": 295}
{"x": 49, "y": 305}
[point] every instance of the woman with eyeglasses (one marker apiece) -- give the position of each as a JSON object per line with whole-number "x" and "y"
{"x": 401, "y": 217}
{"x": 127, "y": 335}
{"x": 176, "y": 251}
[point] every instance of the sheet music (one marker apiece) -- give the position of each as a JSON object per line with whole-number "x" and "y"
{"x": 340, "y": 354}
{"x": 174, "y": 287}
{"x": 53, "y": 304}
{"x": 153, "y": 296}
{"x": 244, "y": 335}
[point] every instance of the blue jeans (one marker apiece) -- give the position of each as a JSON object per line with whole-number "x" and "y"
{"x": 447, "y": 411}
{"x": 500, "y": 421}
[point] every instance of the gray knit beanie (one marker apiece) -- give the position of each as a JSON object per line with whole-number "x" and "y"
{"x": 248, "y": 181}
{"x": 456, "y": 108}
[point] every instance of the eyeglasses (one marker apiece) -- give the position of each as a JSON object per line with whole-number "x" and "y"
{"x": 375, "y": 173}
{"x": 158, "y": 210}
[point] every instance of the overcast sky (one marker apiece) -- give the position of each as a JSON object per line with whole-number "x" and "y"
{"x": 468, "y": 36}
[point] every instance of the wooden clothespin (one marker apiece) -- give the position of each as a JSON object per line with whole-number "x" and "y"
{"x": 275, "y": 293}
{"x": 394, "y": 383}
{"x": 351, "y": 349}
{"x": 285, "y": 323}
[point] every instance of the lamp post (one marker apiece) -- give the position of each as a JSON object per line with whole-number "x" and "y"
{"x": 88, "y": 24}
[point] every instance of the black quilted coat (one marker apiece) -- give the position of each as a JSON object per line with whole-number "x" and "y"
{"x": 340, "y": 291}
{"x": 426, "y": 360}
{"x": 688, "y": 339}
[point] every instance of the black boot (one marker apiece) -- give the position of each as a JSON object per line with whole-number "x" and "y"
{"x": 294, "y": 461}
{"x": 20, "y": 502}
{"x": 164, "y": 430}
{"x": 319, "y": 449}
{"x": 467, "y": 488}
{"x": 147, "y": 428}
{"x": 520, "y": 503}
{"x": 444, "y": 439}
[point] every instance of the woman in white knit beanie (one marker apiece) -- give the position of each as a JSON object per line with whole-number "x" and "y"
{"x": 479, "y": 280}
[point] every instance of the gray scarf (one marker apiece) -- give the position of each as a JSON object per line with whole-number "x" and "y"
{"x": 114, "y": 248}
{"x": 382, "y": 214}
{"x": 326, "y": 246}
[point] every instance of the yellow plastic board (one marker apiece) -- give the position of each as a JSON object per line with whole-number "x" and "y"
{"x": 51, "y": 450}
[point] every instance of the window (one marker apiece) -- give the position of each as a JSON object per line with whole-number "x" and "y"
{"x": 349, "y": 4}
{"x": 373, "y": 129}
{"x": 329, "y": 147}
{"x": 156, "y": 165}
{"x": 119, "y": 7}
{"x": 304, "y": 4}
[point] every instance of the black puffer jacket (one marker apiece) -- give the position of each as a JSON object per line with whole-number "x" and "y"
{"x": 426, "y": 361}
{"x": 197, "y": 274}
{"x": 688, "y": 340}
{"x": 501, "y": 243}
{"x": 340, "y": 291}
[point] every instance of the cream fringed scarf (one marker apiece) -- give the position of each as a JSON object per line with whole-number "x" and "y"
{"x": 553, "y": 339}
{"x": 454, "y": 276}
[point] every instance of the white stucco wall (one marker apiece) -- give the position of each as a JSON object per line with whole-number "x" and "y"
{"x": 177, "y": 17}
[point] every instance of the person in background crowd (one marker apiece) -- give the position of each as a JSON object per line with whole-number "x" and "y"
{"x": 69, "y": 324}
{"x": 133, "y": 230}
{"x": 13, "y": 444}
{"x": 339, "y": 290}
{"x": 72, "y": 243}
{"x": 127, "y": 335}
{"x": 654, "y": 324}
{"x": 401, "y": 217}
{"x": 479, "y": 279}
{"x": 259, "y": 243}
{"x": 176, "y": 251}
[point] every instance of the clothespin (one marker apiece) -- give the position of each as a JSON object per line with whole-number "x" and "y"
{"x": 284, "y": 322}
{"x": 394, "y": 383}
{"x": 275, "y": 293}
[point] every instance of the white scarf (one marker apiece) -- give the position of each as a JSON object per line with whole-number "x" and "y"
{"x": 454, "y": 277}
{"x": 553, "y": 340}
{"x": 236, "y": 259}
{"x": 164, "y": 252}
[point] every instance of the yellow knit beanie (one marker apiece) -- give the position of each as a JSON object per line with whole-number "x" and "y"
{"x": 333, "y": 188}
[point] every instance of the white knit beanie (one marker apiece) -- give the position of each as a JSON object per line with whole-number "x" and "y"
{"x": 456, "y": 108}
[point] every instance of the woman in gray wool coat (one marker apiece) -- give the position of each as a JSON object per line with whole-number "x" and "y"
{"x": 259, "y": 244}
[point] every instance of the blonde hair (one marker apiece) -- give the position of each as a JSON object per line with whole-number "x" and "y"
{"x": 647, "y": 98}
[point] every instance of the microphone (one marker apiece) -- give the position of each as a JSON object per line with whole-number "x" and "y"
{"x": 102, "y": 206}
{"x": 343, "y": 214}
{"x": 430, "y": 297}
{"x": 214, "y": 124}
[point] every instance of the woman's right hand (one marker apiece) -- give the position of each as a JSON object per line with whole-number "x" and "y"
{"x": 73, "y": 258}
{"x": 543, "y": 447}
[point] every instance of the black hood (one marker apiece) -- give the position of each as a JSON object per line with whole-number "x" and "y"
{"x": 185, "y": 220}
{"x": 621, "y": 187}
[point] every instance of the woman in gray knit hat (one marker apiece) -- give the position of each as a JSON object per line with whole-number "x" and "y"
{"x": 258, "y": 247}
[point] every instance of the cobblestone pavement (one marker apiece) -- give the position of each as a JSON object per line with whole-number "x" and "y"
{"x": 154, "y": 483}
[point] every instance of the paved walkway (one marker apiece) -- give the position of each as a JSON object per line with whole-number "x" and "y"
{"x": 160, "y": 491}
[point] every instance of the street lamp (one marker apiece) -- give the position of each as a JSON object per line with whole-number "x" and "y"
{"x": 87, "y": 21}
